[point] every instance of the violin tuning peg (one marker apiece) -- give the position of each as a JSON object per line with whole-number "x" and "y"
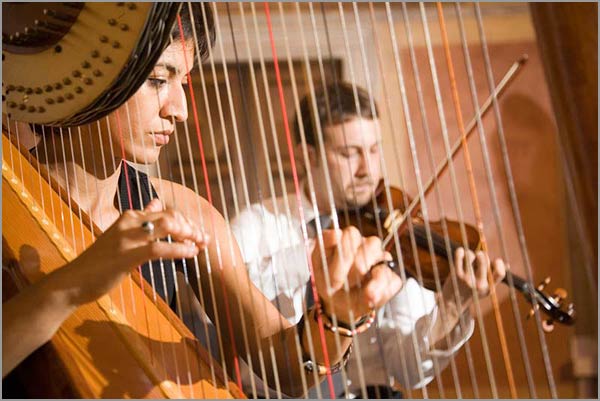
{"x": 531, "y": 313}
{"x": 560, "y": 293}
{"x": 547, "y": 325}
{"x": 543, "y": 284}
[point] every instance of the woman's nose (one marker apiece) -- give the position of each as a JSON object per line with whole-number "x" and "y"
{"x": 175, "y": 105}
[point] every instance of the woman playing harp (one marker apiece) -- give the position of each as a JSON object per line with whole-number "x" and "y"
{"x": 198, "y": 235}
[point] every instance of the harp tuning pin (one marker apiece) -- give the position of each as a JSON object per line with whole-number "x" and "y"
{"x": 57, "y": 15}
{"x": 543, "y": 284}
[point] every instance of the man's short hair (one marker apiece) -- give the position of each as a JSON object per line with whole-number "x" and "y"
{"x": 342, "y": 107}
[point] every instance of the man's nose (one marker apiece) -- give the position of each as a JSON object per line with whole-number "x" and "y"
{"x": 175, "y": 105}
{"x": 363, "y": 165}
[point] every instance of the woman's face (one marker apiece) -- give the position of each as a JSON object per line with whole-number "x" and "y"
{"x": 146, "y": 122}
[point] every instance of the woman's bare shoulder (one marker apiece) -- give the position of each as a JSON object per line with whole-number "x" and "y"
{"x": 182, "y": 198}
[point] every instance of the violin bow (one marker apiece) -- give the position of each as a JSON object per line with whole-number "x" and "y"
{"x": 413, "y": 207}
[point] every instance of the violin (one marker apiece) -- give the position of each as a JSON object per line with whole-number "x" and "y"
{"x": 377, "y": 219}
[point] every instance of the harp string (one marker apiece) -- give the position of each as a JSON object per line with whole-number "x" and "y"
{"x": 161, "y": 261}
{"x": 320, "y": 135}
{"x": 518, "y": 224}
{"x": 493, "y": 196}
{"x": 245, "y": 193}
{"x": 417, "y": 169}
{"x": 254, "y": 169}
{"x": 353, "y": 79}
{"x": 299, "y": 202}
{"x": 379, "y": 224}
{"x": 180, "y": 292}
{"x": 476, "y": 209}
{"x": 321, "y": 149}
{"x": 216, "y": 312}
{"x": 309, "y": 180}
{"x": 142, "y": 280}
{"x": 114, "y": 167}
{"x": 495, "y": 206}
{"x": 274, "y": 203}
{"x": 335, "y": 83}
{"x": 226, "y": 214}
{"x": 211, "y": 224}
{"x": 453, "y": 178}
{"x": 438, "y": 199}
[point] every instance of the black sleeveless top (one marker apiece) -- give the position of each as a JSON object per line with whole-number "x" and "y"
{"x": 135, "y": 192}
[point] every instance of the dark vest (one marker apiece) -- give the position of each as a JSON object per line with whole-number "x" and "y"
{"x": 135, "y": 192}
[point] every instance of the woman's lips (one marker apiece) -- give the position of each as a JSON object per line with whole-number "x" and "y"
{"x": 161, "y": 138}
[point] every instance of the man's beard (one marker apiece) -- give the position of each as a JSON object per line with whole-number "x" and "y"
{"x": 358, "y": 198}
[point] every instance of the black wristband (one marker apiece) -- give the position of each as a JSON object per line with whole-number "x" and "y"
{"x": 310, "y": 365}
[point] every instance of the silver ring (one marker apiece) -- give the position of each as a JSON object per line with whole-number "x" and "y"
{"x": 393, "y": 266}
{"x": 148, "y": 227}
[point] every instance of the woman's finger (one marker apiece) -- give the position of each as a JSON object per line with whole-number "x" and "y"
{"x": 166, "y": 250}
{"x": 155, "y": 205}
{"x": 155, "y": 225}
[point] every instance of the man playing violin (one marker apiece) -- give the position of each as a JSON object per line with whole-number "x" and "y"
{"x": 412, "y": 334}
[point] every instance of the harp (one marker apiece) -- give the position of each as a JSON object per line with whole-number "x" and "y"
{"x": 293, "y": 42}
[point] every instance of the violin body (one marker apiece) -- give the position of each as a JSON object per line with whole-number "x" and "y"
{"x": 426, "y": 248}
{"x": 422, "y": 246}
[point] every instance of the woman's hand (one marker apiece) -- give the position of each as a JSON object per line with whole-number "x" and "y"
{"x": 352, "y": 282}
{"x": 127, "y": 244}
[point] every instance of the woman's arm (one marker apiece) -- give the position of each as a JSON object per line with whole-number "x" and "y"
{"x": 249, "y": 325}
{"x": 32, "y": 317}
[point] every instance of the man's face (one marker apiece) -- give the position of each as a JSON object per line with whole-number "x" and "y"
{"x": 352, "y": 152}
{"x": 147, "y": 120}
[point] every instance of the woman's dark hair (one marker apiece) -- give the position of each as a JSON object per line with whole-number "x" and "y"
{"x": 200, "y": 12}
{"x": 195, "y": 21}
{"x": 342, "y": 108}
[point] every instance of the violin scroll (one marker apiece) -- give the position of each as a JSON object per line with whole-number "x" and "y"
{"x": 552, "y": 306}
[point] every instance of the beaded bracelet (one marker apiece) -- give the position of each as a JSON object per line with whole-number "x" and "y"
{"x": 310, "y": 365}
{"x": 345, "y": 329}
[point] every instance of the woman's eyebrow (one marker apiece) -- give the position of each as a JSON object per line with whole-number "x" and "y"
{"x": 169, "y": 67}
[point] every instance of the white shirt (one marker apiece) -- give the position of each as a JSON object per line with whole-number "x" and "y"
{"x": 397, "y": 351}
